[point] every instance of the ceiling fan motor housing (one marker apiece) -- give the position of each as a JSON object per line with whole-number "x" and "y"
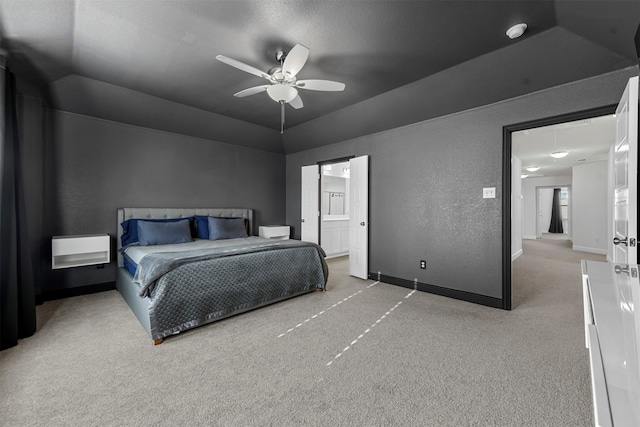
{"x": 281, "y": 56}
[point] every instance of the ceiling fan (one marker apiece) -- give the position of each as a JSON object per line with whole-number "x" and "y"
{"x": 283, "y": 85}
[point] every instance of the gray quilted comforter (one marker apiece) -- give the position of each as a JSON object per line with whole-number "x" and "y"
{"x": 188, "y": 289}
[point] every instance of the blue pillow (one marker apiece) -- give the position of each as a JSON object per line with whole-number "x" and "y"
{"x": 202, "y": 227}
{"x": 163, "y": 233}
{"x": 226, "y": 228}
{"x": 130, "y": 228}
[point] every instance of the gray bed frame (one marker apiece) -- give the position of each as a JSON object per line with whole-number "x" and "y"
{"x": 124, "y": 280}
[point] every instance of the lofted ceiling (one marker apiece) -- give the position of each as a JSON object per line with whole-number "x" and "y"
{"x": 167, "y": 49}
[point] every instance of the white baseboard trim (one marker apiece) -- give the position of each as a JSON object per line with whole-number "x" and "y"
{"x": 590, "y": 250}
{"x": 516, "y": 255}
{"x": 336, "y": 255}
{"x": 529, "y": 237}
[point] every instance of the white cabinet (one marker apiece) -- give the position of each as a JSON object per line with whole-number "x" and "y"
{"x": 612, "y": 327}
{"x": 277, "y": 232}
{"x": 76, "y": 251}
{"x": 335, "y": 237}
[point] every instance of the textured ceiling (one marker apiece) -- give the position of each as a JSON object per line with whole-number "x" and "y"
{"x": 167, "y": 49}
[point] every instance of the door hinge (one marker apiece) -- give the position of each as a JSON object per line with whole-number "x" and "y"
{"x": 318, "y": 213}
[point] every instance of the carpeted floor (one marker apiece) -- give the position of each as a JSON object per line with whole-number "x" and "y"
{"x": 369, "y": 355}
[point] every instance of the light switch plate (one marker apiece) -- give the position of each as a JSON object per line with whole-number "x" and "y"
{"x": 489, "y": 193}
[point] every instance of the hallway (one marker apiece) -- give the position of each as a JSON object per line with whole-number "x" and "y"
{"x": 548, "y": 271}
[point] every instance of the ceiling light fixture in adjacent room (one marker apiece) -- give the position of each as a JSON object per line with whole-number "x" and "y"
{"x": 533, "y": 168}
{"x": 524, "y": 175}
{"x": 516, "y": 31}
{"x": 557, "y": 154}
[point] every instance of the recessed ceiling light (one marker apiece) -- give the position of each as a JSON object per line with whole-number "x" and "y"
{"x": 524, "y": 175}
{"x": 533, "y": 168}
{"x": 516, "y": 31}
{"x": 559, "y": 154}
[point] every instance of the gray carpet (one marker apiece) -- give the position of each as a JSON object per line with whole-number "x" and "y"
{"x": 368, "y": 356}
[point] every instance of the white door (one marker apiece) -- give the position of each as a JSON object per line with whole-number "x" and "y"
{"x": 625, "y": 177}
{"x": 359, "y": 217}
{"x": 309, "y": 201}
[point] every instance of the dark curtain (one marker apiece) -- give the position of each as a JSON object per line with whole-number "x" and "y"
{"x": 556, "y": 213}
{"x": 17, "y": 299}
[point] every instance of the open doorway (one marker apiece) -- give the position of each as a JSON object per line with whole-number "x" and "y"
{"x": 553, "y": 205}
{"x": 617, "y": 174}
{"x": 357, "y": 206}
{"x": 334, "y": 208}
{"x": 555, "y": 160}
{"x": 528, "y": 164}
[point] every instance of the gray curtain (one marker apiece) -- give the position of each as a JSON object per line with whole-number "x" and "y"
{"x": 17, "y": 299}
{"x": 556, "y": 213}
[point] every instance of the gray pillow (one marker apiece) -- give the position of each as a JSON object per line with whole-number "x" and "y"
{"x": 226, "y": 228}
{"x": 163, "y": 233}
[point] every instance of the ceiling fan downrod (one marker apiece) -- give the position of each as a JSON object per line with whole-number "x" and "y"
{"x": 281, "y": 56}
{"x": 281, "y": 117}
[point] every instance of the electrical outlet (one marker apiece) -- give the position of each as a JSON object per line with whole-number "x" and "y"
{"x": 423, "y": 264}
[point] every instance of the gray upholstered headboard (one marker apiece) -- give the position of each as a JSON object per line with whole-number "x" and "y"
{"x": 163, "y": 213}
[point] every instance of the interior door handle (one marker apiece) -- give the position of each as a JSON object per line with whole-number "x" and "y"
{"x": 302, "y": 220}
{"x": 362, "y": 223}
{"x": 617, "y": 241}
{"x": 626, "y": 241}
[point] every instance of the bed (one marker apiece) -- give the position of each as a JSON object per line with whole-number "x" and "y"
{"x": 172, "y": 287}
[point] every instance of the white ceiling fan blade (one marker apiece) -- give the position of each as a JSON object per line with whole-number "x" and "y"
{"x": 296, "y": 102}
{"x": 242, "y": 66}
{"x": 295, "y": 60}
{"x": 322, "y": 85}
{"x": 251, "y": 91}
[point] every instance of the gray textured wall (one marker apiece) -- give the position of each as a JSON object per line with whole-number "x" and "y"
{"x": 426, "y": 183}
{"x": 95, "y": 166}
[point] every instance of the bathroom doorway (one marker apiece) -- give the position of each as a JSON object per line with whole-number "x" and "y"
{"x": 334, "y": 208}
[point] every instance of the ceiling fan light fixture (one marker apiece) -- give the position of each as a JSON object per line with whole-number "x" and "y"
{"x": 282, "y": 93}
{"x": 559, "y": 154}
